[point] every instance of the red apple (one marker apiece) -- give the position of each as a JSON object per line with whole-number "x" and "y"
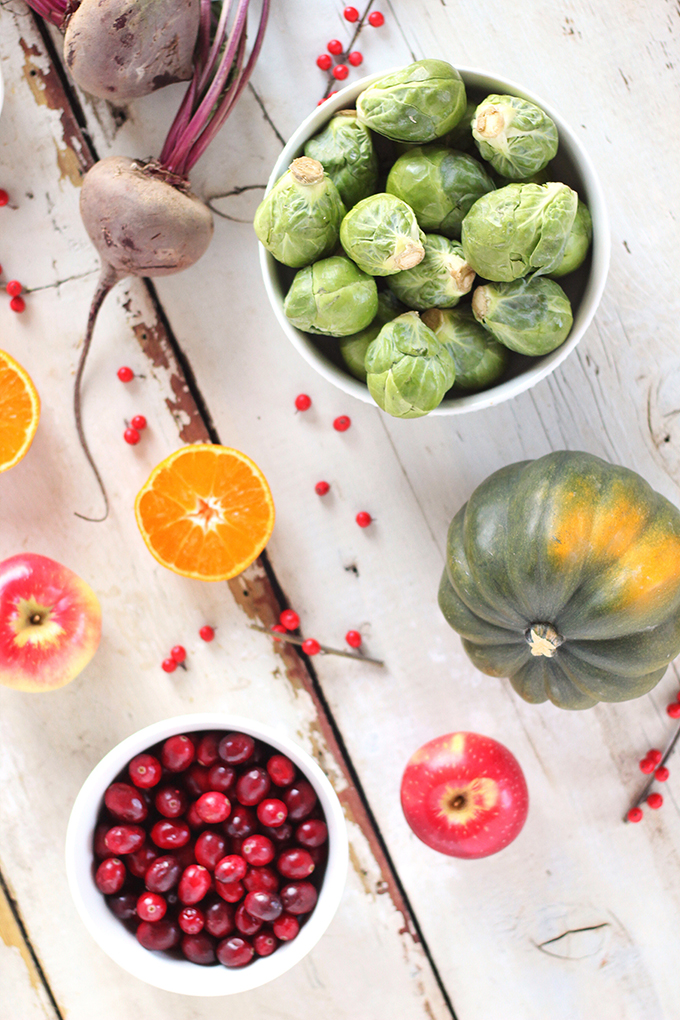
{"x": 50, "y": 623}
{"x": 465, "y": 795}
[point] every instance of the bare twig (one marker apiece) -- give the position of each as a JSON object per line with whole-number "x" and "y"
{"x": 323, "y": 649}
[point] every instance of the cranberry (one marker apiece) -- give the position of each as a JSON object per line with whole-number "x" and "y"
{"x": 196, "y": 780}
{"x": 241, "y": 822}
{"x": 151, "y": 907}
{"x": 213, "y": 807}
{"x": 124, "y": 905}
{"x": 258, "y": 850}
{"x": 222, "y": 778}
{"x": 219, "y": 918}
{"x": 300, "y": 800}
{"x": 298, "y": 897}
{"x": 313, "y": 832}
{"x": 191, "y": 920}
{"x": 141, "y": 860}
{"x": 99, "y": 847}
{"x": 236, "y": 748}
{"x": 194, "y": 884}
{"x": 125, "y": 803}
{"x": 124, "y": 839}
{"x": 252, "y": 786}
{"x": 145, "y": 770}
{"x": 234, "y": 951}
{"x": 246, "y": 924}
{"x": 110, "y": 876}
{"x": 192, "y": 817}
{"x": 232, "y": 892}
{"x": 209, "y": 849}
{"x": 318, "y": 854}
{"x": 186, "y": 854}
{"x": 264, "y": 943}
{"x": 198, "y": 948}
{"x": 170, "y": 834}
{"x": 279, "y": 833}
{"x": 281, "y": 770}
{"x": 163, "y": 875}
{"x": 261, "y": 879}
{"x": 171, "y": 802}
{"x": 286, "y": 927}
{"x": 295, "y": 863}
{"x": 263, "y": 906}
{"x": 177, "y": 753}
{"x": 206, "y": 752}
{"x": 272, "y": 812}
{"x": 163, "y": 934}
{"x": 231, "y": 868}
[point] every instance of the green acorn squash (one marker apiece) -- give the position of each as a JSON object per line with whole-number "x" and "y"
{"x": 563, "y": 574}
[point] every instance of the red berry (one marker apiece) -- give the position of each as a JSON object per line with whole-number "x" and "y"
{"x": 169, "y": 665}
{"x": 197, "y": 779}
{"x": 335, "y": 47}
{"x": 163, "y": 934}
{"x": 298, "y": 897}
{"x": 177, "y": 753}
{"x": 124, "y": 839}
{"x": 163, "y": 874}
{"x": 145, "y": 771}
{"x": 17, "y": 304}
{"x": 646, "y": 766}
{"x": 321, "y": 488}
{"x": 178, "y": 653}
{"x": 342, "y": 423}
{"x": 232, "y": 892}
{"x": 376, "y": 19}
{"x": 4, "y": 197}
{"x": 110, "y": 876}
{"x": 219, "y": 918}
{"x": 194, "y": 884}
{"x": 278, "y": 628}
{"x": 206, "y": 752}
{"x": 210, "y": 849}
{"x": 299, "y": 799}
{"x": 281, "y": 770}
{"x": 264, "y": 943}
{"x": 138, "y": 422}
{"x": 213, "y": 807}
{"x": 286, "y": 927}
{"x": 363, "y": 519}
{"x": 350, "y": 14}
{"x": 262, "y": 878}
{"x": 170, "y": 835}
{"x": 14, "y": 288}
{"x": 236, "y": 748}
{"x": 151, "y": 907}
{"x": 289, "y": 619}
{"x": 234, "y": 951}
{"x": 312, "y": 833}
{"x": 191, "y": 920}
{"x": 655, "y": 800}
{"x": 170, "y": 802}
{"x": 198, "y": 948}
{"x": 125, "y": 803}
{"x": 353, "y": 638}
{"x": 131, "y": 436}
{"x": 125, "y": 374}
{"x": 654, "y": 755}
{"x": 231, "y": 868}
{"x": 272, "y": 812}
{"x": 244, "y": 921}
{"x": 206, "y": 633}
{"x": 295, "y": 863}
{"x": 674, "y": 709}
{"x": 221, "y": 777}
{"x": 263, "y": 906}
{"x": 634, "y": 815}
{"x": 324, "y": 62}
{"x": 340, "y": 71}
{"x": 242, "y": 822}
{"x": 258, "y": 850}
{"x": 252, "y": 786}
{"x": 123, "y": 905}
{"x": 661, "y": 774}
{"x": 139, "y": 862}
{"x": 311, "y": 646}
{"x": 355, "y": 58}
{"x": 303, "y": 402}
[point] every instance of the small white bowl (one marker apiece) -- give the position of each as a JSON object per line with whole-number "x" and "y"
{"x": 584, "y": 287}
{"x": 159, "y": 969}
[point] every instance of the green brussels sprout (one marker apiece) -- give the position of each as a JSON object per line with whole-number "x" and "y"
{"x": 440, "y": 185}
{"x": 332, "y": 296}
{"x": 460, "y": 137}
{"x": 578, "y": 242}
{"x": 382, "y": 235}
{"x": 519, "y": 229}
{"x": 408, "y": 370}
{"x": 345, "y": 150}
{"x": 439, "y": 281}
{"x": 353, "y": 348}
{"x": 529, "y": 316}
{"x": 514, "y": 135}
{"x": 299, "y": 220}
{"x": 479, "y": 359}
{"x": 418, "y": 103}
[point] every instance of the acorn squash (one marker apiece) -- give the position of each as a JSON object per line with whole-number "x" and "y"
{"x": 563, "y": 574}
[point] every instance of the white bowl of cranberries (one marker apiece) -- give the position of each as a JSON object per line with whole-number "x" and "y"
{"x": 206, "y": 854}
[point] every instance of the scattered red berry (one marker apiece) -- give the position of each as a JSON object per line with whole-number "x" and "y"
{"x": 647, "y": 766}
{"x": 321, "y": 488}
{"x": 290, "y": 619}
{"x": 654, "y": 755}
{"x": 340, "y": 71}
{"x": 278, "y": 628}
{"x": 311, "y": 646}
{"x": 655, "y": 800}
{"x": 169, "y": 665}
{"x": 355, "y": 58}
{"x": 353, "y": 638}
{"x": 178, "y": 653}
{"x": 335, "y": 47}
{"x": 673, "y": 709}
{"x": 125, "y": 374}
{"x": 17, "y": 304}
{"x": 342, "y": 423}
{"x": 303, "y": 402}
{"x": 661, "y": 774}
{"x": 324, "y": 62}
{"x": 634, "y": 815}
{"x": 206, "y": 633}
{"x": 4, "y": 197}
{"x": 376, "y": 19}
{"x": 363, "y": 519}
{"x": 138, "y": 422}
{"x": 14, "y": 288}
{"x": 131, "y": 436}
{"x": 351, "y": 14}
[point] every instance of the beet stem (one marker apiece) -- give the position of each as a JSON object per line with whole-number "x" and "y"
{"x": 50, "y": 10}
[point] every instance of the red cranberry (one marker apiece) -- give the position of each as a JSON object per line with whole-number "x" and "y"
{"x": 140, "y": 861}
{"x": 241, "y": 822}
{"x": 151, "y": 907}
{"x": 124, "y": 839}
{"x": 163, "y": 875}
{"x": 170, "y": 834}
{"x": 196, "y": 780}
{"x": 231, "y": 868}
{"x": 198, "y": 948}
{"x": 261, "y": 879}
{"x": 124, "y": 905}
{"x": 192, "y": 817}
{"x": 236, "y": 748}
{"x": 264, "y": 943}
{"x": 286, "y": 927}
{"x": 194, "y": 884}
{"x": 234, "y": 951}
{"x": 206, "y": 752}
{"x": 295, "y": 863}
{"x": 232, "y": 892}
{"x": 170, "y": 802}
{"x": 186, "y": 854}
{"x": 252, "y": 786}
{"x": 263, "y": 906}
{"x": 278, "y": 834}
{"x": 272, "y": 812}
{"x": 145, "y": 770}
{"x": 210, "y": 848}
{"x": 99, "y": 846}
{"x": 191, "y": 920}
{"x": 258, "y": 850}
{"x": 221, "y": 777}
{"x": 311, "y": 833}
{"x": 110, "y": 876}
{"x": 298, "y": 897}
{"x": 163, "y": 934}
{"x": 318, "y": 854}
{"x": 219, "y": 918}
{"x": 281, "y": 770}
{"x": 177, "y": 753}
{"x": 300, "y": 800}
{"x": 125, "y": 803}
{"x": 213, "y": 807}
{"x": 245, "y": 923}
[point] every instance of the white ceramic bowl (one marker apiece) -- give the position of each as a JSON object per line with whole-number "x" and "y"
{"x": 159, "y": 969}
{"x": 584, "y": 287}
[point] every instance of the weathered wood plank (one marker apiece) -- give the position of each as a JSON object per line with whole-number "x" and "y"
{"x": 23, "y": 993}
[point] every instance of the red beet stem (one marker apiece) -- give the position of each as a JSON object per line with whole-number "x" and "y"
{"x": 51, "y": 10}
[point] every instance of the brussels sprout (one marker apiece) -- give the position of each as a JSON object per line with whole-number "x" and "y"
{"x": 353, "y": 348}
{"x": 519, "y": 229}
{"x": 578, "y": 242}
{"x": 439, "y": 281}
{"x": 382, "y": 235}
{"x": 345, "y": 150}
{"x": 415, "y": 104}
{"x": 408, "y": 369}
{"x": 440, "y": 185}
{"x": 479, "y": 359}
{"x": 529, "y": 316}
{"x": 299, "y": 220}
{"x": 332, "y": 296}
{"x": 460, "y": 137}
{"x": 514, "y": 135}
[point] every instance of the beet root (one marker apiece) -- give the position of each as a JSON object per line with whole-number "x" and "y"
{"x": 123, "y": 49}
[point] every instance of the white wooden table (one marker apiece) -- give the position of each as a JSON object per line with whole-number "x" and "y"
{"x": 579, "y": 917}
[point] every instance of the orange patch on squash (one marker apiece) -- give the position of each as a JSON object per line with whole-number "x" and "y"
{"x": 589, "y": 528}
{"x": 649, "y": 570}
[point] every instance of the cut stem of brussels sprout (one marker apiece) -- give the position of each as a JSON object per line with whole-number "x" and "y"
{"x": 517, "y": 137}
{"x": 439, "y": 280}
{"x": 489, "y": 122}
{"x": 531, "y": 317}
{"x": 381, "y": 234}
{"x": 306, "y": 170}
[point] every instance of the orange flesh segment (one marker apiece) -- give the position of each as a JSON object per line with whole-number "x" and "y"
{"x": 19, "y": 411}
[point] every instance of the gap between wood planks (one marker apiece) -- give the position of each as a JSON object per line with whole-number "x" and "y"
{"x": 13, "y": 933}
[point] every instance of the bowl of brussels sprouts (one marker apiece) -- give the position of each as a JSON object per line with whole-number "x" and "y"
{"x": 433, "y": 240}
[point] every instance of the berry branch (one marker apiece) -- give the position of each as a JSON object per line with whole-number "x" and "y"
{"x": 654, "y": 762}
{"x": 283, "y": 635}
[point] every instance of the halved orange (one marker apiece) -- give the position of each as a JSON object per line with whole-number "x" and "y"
{"x": 19, "y": 411}
{"x": 206, "y": 511}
